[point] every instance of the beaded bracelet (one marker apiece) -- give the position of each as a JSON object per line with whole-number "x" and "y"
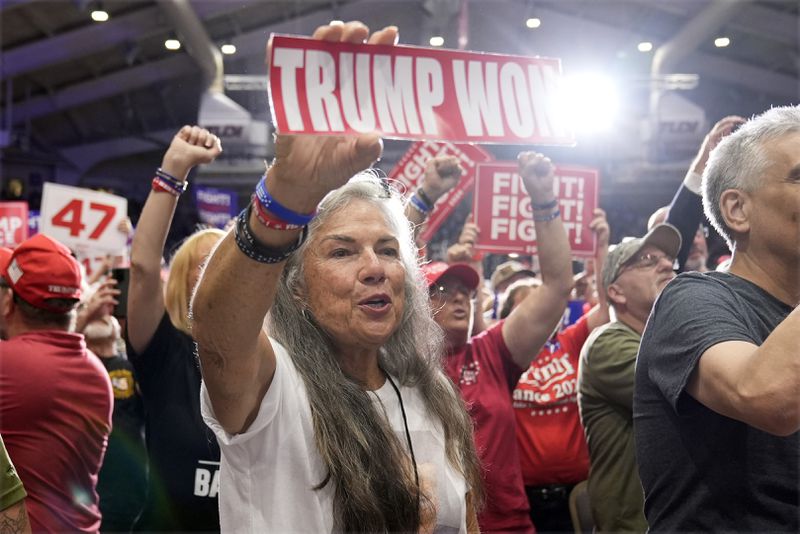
{"x": 547, "y": 206}
{"x": 269, "y": 221}
{"x": 255, "y": 250}
{"x": 548, "y": 217}
{"x": 419, "y": 204}
{"x": 281, "y": 212}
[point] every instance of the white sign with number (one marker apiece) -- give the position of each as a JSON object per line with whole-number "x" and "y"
{"x": 82, "y": 219}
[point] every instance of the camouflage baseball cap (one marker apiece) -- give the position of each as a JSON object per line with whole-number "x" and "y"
{"x": 663, "y": 236}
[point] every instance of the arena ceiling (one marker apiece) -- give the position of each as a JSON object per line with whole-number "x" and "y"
{"x": 72, "y": 86}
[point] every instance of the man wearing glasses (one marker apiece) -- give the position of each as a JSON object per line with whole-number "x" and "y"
{"x": 635, "y": 272}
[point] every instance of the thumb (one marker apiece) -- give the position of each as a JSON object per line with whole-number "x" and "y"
{"x": 366, "y": 150}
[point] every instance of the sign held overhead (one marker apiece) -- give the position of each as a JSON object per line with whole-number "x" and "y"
{"x": 407, "y": 92}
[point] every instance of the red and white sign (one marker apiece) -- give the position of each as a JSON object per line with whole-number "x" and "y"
{"x": 409, "y": 92}
{"x": 13, "y": 223}
{"x": 85, "y": 221}
{"x": 502, "y": 209}
{"x": 411, "y": 167}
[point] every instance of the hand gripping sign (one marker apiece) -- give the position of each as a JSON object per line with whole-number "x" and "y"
{"x": 86, "y": 221}
{"x": 503, "y": 212}
{"x": 411, "y": 167}
{"x": 408, "y": 92}
{"x": 13, "y": 223}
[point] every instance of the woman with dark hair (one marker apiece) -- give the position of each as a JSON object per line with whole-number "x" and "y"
{"x": 336, "y": 416}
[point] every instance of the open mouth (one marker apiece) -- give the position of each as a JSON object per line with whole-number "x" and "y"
{"x": 377, "y": 302}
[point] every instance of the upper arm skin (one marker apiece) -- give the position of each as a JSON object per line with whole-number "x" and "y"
{"x": 529, "y": 326}
{"x": 737, "y": 380}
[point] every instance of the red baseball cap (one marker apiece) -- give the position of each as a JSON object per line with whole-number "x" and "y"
{"x": 435, "y": 270}
{"x": 41, "y": 269}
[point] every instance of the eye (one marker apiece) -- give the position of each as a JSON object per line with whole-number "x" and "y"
{"x": 390, "y": 251}
{"x": 340, "y": 253}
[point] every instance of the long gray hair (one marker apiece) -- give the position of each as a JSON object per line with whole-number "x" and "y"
{"x": 373, "y": 480}
{"x": 741, "y": 158}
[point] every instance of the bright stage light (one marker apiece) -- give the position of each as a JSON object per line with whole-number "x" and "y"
{"x": 533, "y": 22}
{"x": 722, "y": 42}
{"x": 590, "y": 102}
{"x": 645, "y": 46}
{"x": 437, "y": 40}
{"x": 99, "y": 15}
{"x": 172, "y": 44}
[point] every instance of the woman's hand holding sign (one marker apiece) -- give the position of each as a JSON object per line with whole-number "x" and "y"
{"x": 307, "y": 167}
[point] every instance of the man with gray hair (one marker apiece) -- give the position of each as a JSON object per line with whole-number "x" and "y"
{"x": 716, "y": 411}
{"x": 635, "y": 272}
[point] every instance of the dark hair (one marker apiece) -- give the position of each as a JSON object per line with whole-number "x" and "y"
{"x": 37, "y": 317}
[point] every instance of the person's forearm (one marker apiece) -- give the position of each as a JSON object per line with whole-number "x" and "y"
{"x": 554, "y": 254}
{"x": 148, "y": 243}
{"x": 772, "y": 377}
{"x": 685, "y": 214}
{"x": 235, "y": 292}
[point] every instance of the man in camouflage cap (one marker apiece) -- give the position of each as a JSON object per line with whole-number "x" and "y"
{"x": 635, "y": 272}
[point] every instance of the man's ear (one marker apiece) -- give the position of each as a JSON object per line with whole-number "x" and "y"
{"x": 735, "y": 206}
{"x": 616, "y": 295}
{"x": 7, "y": 302}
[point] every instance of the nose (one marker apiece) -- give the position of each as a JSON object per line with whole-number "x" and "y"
{"x": 666, "y": 263}
{"x": 372, "y": 270}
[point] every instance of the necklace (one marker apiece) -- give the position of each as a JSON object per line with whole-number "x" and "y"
{"x": 408, "y": 434}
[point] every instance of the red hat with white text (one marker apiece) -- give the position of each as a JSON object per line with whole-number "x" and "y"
{"x": 41, "y": 269}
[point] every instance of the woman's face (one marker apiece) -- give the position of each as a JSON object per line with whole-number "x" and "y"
{"x": 354, "y": 277}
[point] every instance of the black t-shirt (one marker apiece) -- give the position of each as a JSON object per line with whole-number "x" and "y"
{"x": 702, "y": 471}
{"x": 183, "y": 452}
{"x": 122, "y": 482}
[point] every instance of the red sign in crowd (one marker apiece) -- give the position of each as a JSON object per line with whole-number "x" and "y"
{"x": 411, "y": 168}
{"x": 407, "y": 92}
{"x": 502, "y": 209}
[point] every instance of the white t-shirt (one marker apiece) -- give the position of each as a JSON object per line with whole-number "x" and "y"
{"x": 268, "y": 472}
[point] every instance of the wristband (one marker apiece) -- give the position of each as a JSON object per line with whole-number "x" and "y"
{"x": 548, "y": 217}
{"x": 546, "y": 206}
{"x": 425, "y": 198}
{"x": 163, "y": 186}
{"x": 419, "y": 204}
{"x": 255, "y": 250}
{"x": 281, "y": 212}
{"x": 269, "y": 221}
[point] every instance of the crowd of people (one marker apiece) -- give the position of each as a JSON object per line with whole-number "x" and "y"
{"x": 308, "y": 370}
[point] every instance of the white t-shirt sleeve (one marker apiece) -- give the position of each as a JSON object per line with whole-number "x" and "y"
{"x": 269, "y": 404}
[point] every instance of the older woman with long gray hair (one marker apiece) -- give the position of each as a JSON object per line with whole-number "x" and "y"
{"x": 336, "y": 416}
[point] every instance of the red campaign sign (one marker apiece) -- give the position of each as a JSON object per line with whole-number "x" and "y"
{"x": 411, "y": 167}
{"x": 502, "y": 209}
{"x": 13, "y": 223}
{"x": 409, "y": 92}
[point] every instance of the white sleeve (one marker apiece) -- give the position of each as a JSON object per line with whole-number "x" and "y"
{"x": 284, "y": 373}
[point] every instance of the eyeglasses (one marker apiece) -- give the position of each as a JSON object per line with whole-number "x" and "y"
{"x": 645, "y": 261}
{"x": 449, "y": 291}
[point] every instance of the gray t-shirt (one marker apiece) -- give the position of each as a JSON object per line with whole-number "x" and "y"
{"x": 702, "y": 471}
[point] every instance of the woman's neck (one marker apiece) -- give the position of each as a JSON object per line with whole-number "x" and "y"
{"x": 362, "y": 365}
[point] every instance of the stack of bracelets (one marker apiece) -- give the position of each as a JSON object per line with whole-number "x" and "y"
{"x": 271, "y": 214}
{"x": 547, "y": 206}
{"x": 421, "y": 201}
{"x": 166, "y": 183}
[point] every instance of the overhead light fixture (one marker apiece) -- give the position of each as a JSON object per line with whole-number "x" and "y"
{"x": 172, "y": 44}
{"x": 98, "y": 15}
{"x": 722, "y": 42}
{"x": 228, "y": 49}
{"x": 645, "y": 46}
{"x": 533, "y": 22}
{"x": 437, "y": 40}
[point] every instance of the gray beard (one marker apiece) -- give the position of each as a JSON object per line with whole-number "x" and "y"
{"x": 696, "y": 264}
